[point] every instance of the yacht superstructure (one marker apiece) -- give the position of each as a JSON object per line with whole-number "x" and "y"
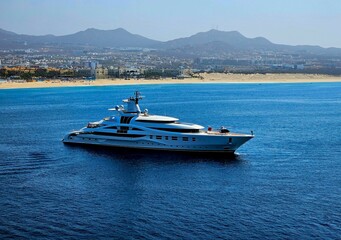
{"x": 131, "y": 128}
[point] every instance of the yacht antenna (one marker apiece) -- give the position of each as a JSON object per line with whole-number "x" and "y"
{"x": 137, "y": 97}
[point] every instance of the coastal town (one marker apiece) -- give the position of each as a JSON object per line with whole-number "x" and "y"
{"x": 39, "y": 64}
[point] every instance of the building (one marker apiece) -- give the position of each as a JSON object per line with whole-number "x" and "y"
{"x": 101, "y": 73}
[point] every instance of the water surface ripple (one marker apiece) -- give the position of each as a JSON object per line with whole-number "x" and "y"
{"x": 284, "y": 184}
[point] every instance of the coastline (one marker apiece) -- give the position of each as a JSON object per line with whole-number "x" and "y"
{"x": 206, "y": 78}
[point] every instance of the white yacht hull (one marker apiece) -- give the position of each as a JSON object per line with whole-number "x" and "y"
{"x": 227, "y": 143}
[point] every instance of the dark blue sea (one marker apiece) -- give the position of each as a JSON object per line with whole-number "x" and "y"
{"x": 283, "y": 184}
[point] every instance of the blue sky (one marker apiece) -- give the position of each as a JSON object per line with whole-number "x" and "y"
{"x": 313, "y": 22}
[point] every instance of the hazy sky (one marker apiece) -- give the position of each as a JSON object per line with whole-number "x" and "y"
{"x": 313, "y": 22}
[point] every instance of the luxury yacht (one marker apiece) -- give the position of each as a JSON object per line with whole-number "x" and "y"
{"x": 131, "y": 128}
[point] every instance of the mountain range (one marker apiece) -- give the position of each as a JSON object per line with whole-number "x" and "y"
{"x": 210, "y": 41}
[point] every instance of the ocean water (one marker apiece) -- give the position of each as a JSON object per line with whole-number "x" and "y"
{"x": 283, "y": 184}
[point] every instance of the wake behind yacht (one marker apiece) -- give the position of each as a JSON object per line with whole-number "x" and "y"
{"x": 131, "y": 128}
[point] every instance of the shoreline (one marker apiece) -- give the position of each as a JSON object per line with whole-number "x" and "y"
{"x": 206, "y": 78}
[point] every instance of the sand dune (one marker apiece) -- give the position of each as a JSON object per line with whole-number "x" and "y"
{"x": 205, "y": 78}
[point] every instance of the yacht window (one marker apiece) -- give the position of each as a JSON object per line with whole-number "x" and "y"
{"x": 158, "y": 137}
{"x": 123, "y": 130}
{"x": 178, "y": 130}
{"x": 166, "y": 137}
{"x": 151, "y": 136}
{"x": 93, "y": 125}
{"x": 117, "y": 134}
{"x": 174, "y": 138}
{"x": 125, "y": 120}
{"x": 230, "y": 140}
{"x": 154, "y": 121}
{"x": 185, "y": 139}
{"x": 193, "y": 139}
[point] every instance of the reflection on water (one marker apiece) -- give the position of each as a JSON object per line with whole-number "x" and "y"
{"x": 156, "y": 155}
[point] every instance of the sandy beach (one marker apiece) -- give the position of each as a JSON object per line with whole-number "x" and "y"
{"x": 205, "y": 78}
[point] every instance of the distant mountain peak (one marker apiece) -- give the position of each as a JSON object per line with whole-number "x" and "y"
{"x": 106, "y": 38}
{"x": 231, "y": 38}
{"x": 120, "y": 29}
{"x": 221, "y": 31}
{"x": 101, "y": 30}
{"x": 217, "y": 35}
{"x": 89, "y": 30}
{"x": 209, "y": 42}
{"x": 3, "y": 31}
{"x": 213, "y": 30}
